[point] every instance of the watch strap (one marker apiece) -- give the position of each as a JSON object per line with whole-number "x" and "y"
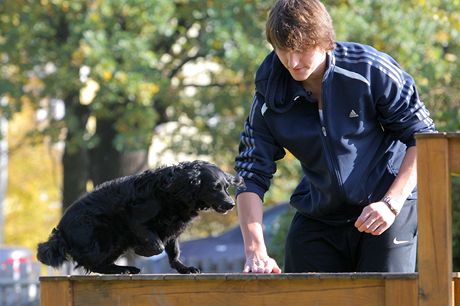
{"x": 390, "y": 202}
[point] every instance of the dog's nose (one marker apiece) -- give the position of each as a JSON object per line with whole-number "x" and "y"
{"x": 227, "y": 206}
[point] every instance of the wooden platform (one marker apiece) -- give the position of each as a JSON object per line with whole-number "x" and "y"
{"x": 232, "y": 289}
{"x": 434, "y": 285}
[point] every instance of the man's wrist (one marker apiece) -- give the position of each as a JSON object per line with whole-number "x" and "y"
{"x": 392, "y": 204}
{"x": 255, "y": 249}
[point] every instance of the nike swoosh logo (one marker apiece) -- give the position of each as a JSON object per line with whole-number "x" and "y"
{"x": 396, "y": 241}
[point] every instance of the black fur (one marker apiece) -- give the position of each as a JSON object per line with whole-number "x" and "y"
{"x": 145, "y": 213}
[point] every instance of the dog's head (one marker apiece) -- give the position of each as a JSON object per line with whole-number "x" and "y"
{"x": 214, "y": 184}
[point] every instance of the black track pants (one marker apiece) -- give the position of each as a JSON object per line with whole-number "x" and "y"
{"x": 313, "y": 246}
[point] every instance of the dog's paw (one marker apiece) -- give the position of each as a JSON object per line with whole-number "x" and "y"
{"x": 115, "y": 269}
{"x": 131, "y": 270}
{"x": 189, "y": 270}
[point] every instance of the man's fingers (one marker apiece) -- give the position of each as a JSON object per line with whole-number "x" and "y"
{"x": 362, "y": 218}
{"x": 375, "y": 219}
{"x": 380, "y": 229}
{"x": 368, "y": 221}
{"x": 272, "y": 266}
{"x": 368, "y": 224}
{"x": 257, "y": 268}
{"x": 359, "y": 222}
{"x": 269, "y": 266}
{"x": 276, "y": 269}
{"x": 253, "y": 266}
{"x": 261, "y": 266}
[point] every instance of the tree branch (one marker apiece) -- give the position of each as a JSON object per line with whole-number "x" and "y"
{"x": 212, "y": 85}
{"x": 184, "y": 61}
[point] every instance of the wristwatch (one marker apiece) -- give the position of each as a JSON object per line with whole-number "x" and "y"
{"x": 392, "y": 205}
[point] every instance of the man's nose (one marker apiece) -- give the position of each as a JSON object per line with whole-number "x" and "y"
{"x": 293, "y": 60}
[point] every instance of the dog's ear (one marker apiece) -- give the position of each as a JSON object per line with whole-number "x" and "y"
{"x": 168, "y": 177}
{"x": 176, "y": 177}
{"x": 194, "y": 176}
{"x": 146, "y": 182}
{"x": 143, "y": 184}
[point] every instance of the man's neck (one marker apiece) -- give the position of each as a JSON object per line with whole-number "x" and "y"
{"x": 313, "y": 83}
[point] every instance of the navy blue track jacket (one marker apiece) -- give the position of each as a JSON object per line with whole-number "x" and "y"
{"x": 371, "y": 111}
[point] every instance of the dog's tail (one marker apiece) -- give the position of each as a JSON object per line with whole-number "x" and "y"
{"x": 53, "y": 252}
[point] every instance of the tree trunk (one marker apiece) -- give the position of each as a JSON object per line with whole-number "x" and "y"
{"x": 75, "y": 167}
{"x": 75, "y": 158}
{"x": 107, "y": 162}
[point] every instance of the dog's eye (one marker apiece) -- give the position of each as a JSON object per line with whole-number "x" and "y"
{"x": 218, "y": 186}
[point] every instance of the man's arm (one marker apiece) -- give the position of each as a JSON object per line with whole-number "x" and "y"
{"x": 377, "y": 217}
{"x": 250, "y": 214}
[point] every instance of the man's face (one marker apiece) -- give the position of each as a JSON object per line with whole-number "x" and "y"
{"x": 303, "y": 65}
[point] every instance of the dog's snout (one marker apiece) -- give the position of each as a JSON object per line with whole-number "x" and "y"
{"x": 225, "y": 207}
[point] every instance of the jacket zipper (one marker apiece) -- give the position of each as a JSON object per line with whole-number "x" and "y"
{"x": 323, "y": 128}
{"x": 328, "y": 148}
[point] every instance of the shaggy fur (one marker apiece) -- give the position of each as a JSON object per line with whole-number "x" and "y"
{"x": 145, "y": 213}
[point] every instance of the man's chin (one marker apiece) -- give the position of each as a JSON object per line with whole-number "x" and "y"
{"x": 299, "y": 76}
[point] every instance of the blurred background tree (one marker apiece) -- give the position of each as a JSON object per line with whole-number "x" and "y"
{"x": 33, "y": 201}
{"x": 124, "y": 69}
{"x": 114, "y": 76}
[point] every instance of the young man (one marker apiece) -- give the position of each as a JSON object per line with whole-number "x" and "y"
{"x": 348, "y": 113}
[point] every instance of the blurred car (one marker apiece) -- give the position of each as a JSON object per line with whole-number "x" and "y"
{"x": 18, "y": 276}
{"x": 218, "y": 254}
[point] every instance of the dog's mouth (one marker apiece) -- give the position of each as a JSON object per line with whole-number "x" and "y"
{"x": 224, "y": 208}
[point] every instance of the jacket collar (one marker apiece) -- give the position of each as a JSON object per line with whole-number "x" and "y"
{"x": 274, "y": 82}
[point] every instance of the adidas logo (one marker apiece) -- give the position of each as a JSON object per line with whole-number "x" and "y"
{"x": 353, "y": 114}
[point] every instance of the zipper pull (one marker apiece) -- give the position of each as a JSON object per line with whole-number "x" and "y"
{"x": 324, "y": 130}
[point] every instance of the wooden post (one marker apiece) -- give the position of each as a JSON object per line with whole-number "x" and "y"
{"x": 435, "y": 154}
{"x": 456, "y": 289}
{"x": 56, "y": 292}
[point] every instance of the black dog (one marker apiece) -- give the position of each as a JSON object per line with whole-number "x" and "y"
{"x": 145, "y": 213}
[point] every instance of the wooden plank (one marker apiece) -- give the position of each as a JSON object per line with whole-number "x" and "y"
{"x": 454, "y": 155}
{"x": 401, "y": 292}
{"x": 318, "y": 289}
{"x": 56, "y": 292}
{"x": 231, "y": 292}
{"x": 435, "y": 224}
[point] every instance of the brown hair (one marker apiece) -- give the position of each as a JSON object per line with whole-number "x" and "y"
{"x": 299, "y": 24}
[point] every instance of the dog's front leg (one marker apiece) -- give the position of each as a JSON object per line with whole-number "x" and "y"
{"x": 173, "y": 251}
{"x": 148, "y": 242}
